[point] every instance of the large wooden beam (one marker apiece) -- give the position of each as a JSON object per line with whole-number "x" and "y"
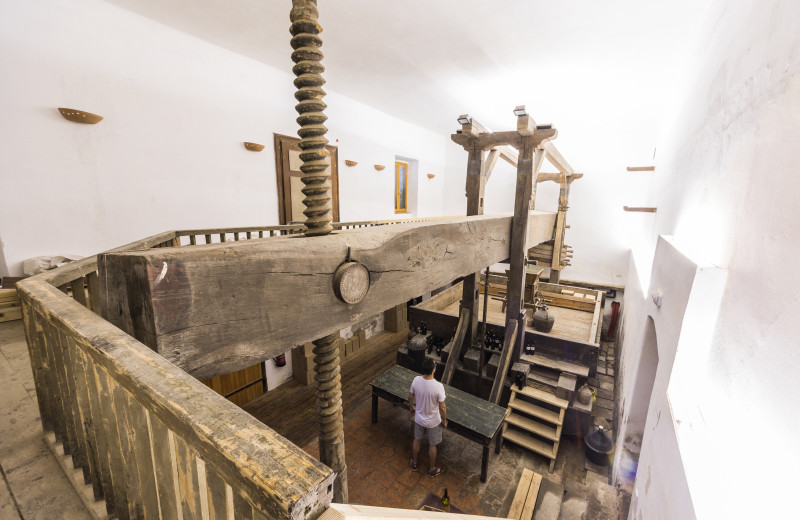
{"x": 512, "y": 138}
{"x": 213, "y": 309}
{"x": 556, "y": 159}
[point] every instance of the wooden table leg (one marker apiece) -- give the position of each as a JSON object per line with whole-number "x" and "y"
{"x": 485, "y": 461}
{"x": 374, "y": 408}
{"x": 498, "y": 443}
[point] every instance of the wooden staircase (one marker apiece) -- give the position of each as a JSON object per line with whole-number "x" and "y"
{"x": 535, "y": 418}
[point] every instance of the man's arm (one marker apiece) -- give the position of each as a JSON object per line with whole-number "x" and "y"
{"x": 443, "y": 413}
{"x": 412, "y": 405}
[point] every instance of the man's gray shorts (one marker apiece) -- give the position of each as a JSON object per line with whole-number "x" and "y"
{"x": 434, "y": 434}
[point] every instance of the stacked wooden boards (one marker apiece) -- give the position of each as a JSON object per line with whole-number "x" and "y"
{"x": 525, "y": 496}
{"x": 242, "y": 386}
{"x": 9, "y": 305}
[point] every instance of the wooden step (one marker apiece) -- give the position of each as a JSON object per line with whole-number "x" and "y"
{"x": 530, "y": 442}
{"x": 545, "y": 397}
{"x": 536, "y": 411}
{"x": 542, "y": 430}
{"x": 553, "y": 364}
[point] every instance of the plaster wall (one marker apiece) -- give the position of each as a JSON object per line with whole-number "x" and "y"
{"x": 726, "y": 191}
{"x": 169, "y": 153}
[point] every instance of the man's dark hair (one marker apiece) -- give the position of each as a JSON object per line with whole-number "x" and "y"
{"x": 428, "y": 366}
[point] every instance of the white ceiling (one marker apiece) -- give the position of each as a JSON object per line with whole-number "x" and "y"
{"x": 583, "y": 65}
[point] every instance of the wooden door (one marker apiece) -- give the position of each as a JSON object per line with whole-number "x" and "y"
{"x": 287, "y": 166}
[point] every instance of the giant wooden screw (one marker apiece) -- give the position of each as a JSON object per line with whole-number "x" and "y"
{"x": 308, "y": 68}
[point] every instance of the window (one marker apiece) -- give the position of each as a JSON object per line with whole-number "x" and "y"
{"x": 401, "y": 187}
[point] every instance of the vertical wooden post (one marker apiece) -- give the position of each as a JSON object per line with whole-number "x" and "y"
{"x": 527, "y": 169}
{"x": 476, "y": 187}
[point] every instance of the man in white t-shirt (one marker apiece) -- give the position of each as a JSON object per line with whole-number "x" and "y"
{"x": 426, "y": 400}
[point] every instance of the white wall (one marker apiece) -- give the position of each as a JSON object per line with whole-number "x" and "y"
{"x": 726, "y": 189}
{"x": 169, "y": 153}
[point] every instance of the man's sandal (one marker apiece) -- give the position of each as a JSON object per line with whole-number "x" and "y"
{"x": 412, "y": 464}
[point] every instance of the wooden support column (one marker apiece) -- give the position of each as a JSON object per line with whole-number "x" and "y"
{"x": 476, "y": 187}
{"x": 528, "y": 166}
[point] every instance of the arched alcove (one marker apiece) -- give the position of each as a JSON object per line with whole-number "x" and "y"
{"x": 642, "y": 392}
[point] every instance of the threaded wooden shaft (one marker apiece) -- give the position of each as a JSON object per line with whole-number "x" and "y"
{"x": 308, "y": 68}
{"x": 317, "y": 190}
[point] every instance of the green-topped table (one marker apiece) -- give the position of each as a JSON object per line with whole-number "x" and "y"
{"x": 467, "y": 415}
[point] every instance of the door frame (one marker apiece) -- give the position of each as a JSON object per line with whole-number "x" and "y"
{"x": 284, "y": 143}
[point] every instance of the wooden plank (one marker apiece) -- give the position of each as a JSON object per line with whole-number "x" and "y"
{"x": 512, "y": 329}
{"x": 458, "y": 341}
{"x": 66, "y": 426}
{"x": 12, "y": 314}
{"x": 638, "y": 209}
{"x": 530, "y": 442}
{"x": 521, "y": 493}
{"x": 82, "y": 418}
{"x": 166, "y": 467}
{"x": 35, "y": 341}
{"x": 130, "y": 463}
{"x": 535, "y": 410}
{"x": 164, "y": 300}
{"x": 93, "y": 284}
{"x": 540, "y": 429}
{"x": 79, "y": 290}
{"x": 533, "y": 493}
{"x": 596, "y": 318}
{"x": 554, "y": 364}
{"x": 568, "y": 302}
{"x": 217, "y": 496}
{"x": 545, "y": 397}
{"x": 641, "y": 168}
{"x": 242, "y": 509}
{"x": 188, "y": 482}
{"x": 91, "y": 409}
{"x": 139, "y": 436}
{"x": 123, "y": 507}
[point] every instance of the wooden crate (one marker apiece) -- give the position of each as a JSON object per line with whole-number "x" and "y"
{"x": 241, "y": 386}
{"x": 10, "y": 308}
{"x": 396, "y": 318}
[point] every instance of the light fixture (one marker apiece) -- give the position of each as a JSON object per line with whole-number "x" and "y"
{"x": 79, "y": 116}
{"x": 463, "y": 119}
{"x": 520, "y": 111}
{"x": 254, "y": 147}
{"x": 431, "y": 175}
{"x": 349, "y": 162}
{"x": 379, "y": 167}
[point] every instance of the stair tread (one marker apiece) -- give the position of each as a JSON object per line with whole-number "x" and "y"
{"x": 534, "y": 410}
{"x": 543, "y": 430}
{"x": 564, "y": 366}
{"x": 532, "y": 443}
{"x": 535, "y": 393}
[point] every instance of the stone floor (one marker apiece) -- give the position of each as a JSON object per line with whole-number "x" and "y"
{"x": 33, "y": 484}
{"x": 379, "y": 475}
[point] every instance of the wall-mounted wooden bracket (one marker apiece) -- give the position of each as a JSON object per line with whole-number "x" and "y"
{"x": 636, "y": 209}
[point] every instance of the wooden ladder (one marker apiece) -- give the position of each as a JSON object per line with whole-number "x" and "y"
{"x": 536, "y": 418}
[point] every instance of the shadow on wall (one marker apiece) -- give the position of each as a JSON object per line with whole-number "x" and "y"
{"x": 3, "y": 264}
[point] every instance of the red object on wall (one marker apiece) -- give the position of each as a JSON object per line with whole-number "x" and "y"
{"x": 612, "y": 324}
{"x": 280, "y": 360}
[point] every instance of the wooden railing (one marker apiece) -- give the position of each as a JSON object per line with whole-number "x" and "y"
{"x": 152, "y": 441}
